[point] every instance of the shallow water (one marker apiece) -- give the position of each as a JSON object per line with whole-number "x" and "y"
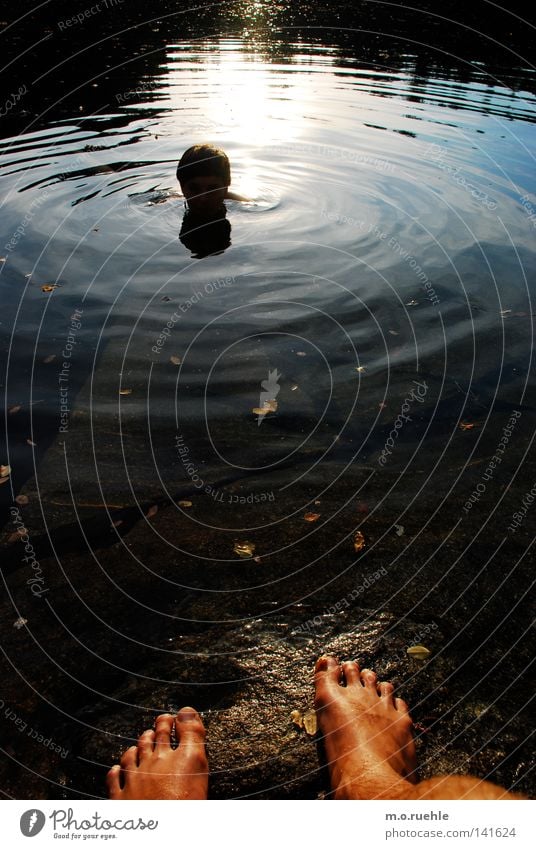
{"x": 378, "y": 286}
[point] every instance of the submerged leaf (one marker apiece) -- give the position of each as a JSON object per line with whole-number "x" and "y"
{"x": 359, "y": 541}
{"x": 466, "y": 425}
{"x": 244, "y": 549}
{"x": 419, "y": 652}
{"x": 22, "y": 500}
{"x": 5, "y": 471}
{"x": 312, "y": 517}
{"x": 399, "y": 530}
{"x": 19, "y": 623}
{"x": 152, "y": 511}
{"x": 14, "y": 409}
{"x": 50, "y": 358}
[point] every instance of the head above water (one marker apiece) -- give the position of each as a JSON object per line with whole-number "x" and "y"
{"x": 204, "y": 173}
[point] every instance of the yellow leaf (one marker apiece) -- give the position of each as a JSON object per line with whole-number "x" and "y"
{"x": 297, "y": 718}
{"x": 5, "y": 471}
{"x": 359, "y": 541}
{"x": 419, "y": 652}
{"x": 49, "y": 287}
{"x": 267, "y": 407}
{"x": 244, "y": 549}
{"x": 185, "y": 503}
{"x": 125, "y": 391}
{"x": 309, "y": 722}
{"x": 360, "y": 369}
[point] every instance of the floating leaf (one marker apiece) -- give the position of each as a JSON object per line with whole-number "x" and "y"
{"x": 3, "y": 258}
{"x": 5, "y": 471}
{"x": 297, "y": 718}
{"x": 399, "y": 530}
{"x": 175, "y": 360}
{"x": 267, "y": 407}
{"x": 22, "y": 500}
{"x": 309, "y": 722}
{"x": 185, "y": 503}
{"x": 49, "y": 287}
{"x": 318, "y": 502}
{"x": 244, "y": 549}
{"x": 294, "y": 387}
{"x": 15, "y": 409}
{"x": 257, "y": 559}
{"x": 419, "y": 652}
{"x": 359, "y": 541}
{"x": 117, "y": 523}
{"x": 505, "y": 312}
{"x": 50, "y": 358}
{"x": 125, "y": 391}
{"x": 312, "y": 517}
{"x": 466, "y": 425}
{"x": 393, "y": 332}
{"x": 412, "y": 303}
{"x": 382, "y": 405}
{"x": 29, "y": 442}
{"x": 165, "y": 298}
{"x": 152, "y": 511}
{"x": 19, "y": 623}
{"x": 360, "y": 369}
{"x": 301, "y": 354}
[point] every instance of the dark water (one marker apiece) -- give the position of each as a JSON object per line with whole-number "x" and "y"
{"x": 378, "y": 286}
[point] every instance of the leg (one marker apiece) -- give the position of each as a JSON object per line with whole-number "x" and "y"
{"x": 369, "y": 744}
{"x": 154, "y": 770}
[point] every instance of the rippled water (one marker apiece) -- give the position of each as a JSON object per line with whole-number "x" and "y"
{"x": 386, "y": 240}
{"x": 376, "y": 291}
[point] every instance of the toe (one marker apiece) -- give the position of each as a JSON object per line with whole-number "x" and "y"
{"x": 163, "y": 728}
{"x": 191, "y": 735}
{"x": 129, "y": 759}
{"x": 369, "y": 678}
{"x": 146, "y": 744}
{"x": 351, "y": 672}
{"x": 401, "y": 705}
{"x": 113, "y": 783}
{"x": 386, "y": 692}
{"x": 327, "y": 677}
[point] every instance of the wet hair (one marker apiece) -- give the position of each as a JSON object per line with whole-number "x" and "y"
{"x": 204, "y": 160}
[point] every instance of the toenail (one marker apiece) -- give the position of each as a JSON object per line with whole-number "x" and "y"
{"x": 187, "y": 715}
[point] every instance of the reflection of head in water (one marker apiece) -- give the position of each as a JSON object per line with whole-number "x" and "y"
{"x": 204, "y": 236}
{"x": 204, "y": 173}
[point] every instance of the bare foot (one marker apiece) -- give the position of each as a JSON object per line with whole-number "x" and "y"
{"x": 153, "y": 770}
{"x": 367, "y": 733}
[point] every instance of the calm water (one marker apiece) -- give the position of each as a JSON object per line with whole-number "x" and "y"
{"x": 376, "y": 291}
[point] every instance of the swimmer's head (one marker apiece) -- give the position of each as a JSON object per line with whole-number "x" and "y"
{"x": 204, "y": 173}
